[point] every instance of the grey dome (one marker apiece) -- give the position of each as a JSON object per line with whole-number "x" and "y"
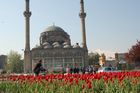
{"x": 56, "y": 45}
{"x": 47, "y": 45}
{"x": 66, "y": 43}
{"x": 54, "y": 34}
{"x": 54, "y": 28}
{"x": 67, "y": 46}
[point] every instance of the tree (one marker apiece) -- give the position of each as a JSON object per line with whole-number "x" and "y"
{"x": 134, "y": 54}
{"x": 93, "y": 58}
{"x": 14, "y": 63}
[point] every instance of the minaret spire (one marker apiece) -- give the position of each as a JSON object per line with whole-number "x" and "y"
{"x": 27, "y": 52}
{"x": 82, "y": 15}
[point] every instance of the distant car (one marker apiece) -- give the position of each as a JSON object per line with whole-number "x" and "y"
{"x": 107, "y": 69}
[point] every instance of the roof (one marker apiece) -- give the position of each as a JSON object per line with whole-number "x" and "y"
{"x": 54, "y": 28}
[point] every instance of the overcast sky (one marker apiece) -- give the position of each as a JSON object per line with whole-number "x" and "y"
{"x": 111, "y": 25}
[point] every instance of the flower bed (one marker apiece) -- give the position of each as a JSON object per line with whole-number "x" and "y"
{"x": 116, "y": 82}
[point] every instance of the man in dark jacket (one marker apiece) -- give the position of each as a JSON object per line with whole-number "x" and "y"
{"x": 38, "y": 68}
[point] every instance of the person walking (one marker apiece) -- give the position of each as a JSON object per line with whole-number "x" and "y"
{"x": 38, "y": 68}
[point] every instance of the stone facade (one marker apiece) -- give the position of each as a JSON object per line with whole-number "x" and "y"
{"x": 55, "y": 50}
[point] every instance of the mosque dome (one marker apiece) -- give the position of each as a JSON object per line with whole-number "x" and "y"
{"x": 54, "y": 28}
{"x": 53, "y": 34}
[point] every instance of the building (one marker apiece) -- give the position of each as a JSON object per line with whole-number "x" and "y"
{"x": 110, "y": 62}
{"x": 3, "y": 60}
{"x": 120, "y": 58}
{"x": 55, "y": 47}
{"x": 55, "y": 50}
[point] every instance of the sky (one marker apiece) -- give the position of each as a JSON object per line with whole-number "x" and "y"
{"x": 111, "y": 25}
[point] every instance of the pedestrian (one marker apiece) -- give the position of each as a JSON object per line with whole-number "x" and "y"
{"x": 68, "y": 70}
{"x": 74, "y": 70}
{"x": 83, "y": 70}
{"x": 71, "y": 70}
{"x": 38, "y": 68}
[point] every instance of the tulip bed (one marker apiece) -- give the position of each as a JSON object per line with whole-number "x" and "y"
{"x": 115, "y": 82}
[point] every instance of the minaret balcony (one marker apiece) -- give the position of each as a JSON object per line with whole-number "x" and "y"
{"x": 82, "y": 15}
{"x": 27, "y": 13}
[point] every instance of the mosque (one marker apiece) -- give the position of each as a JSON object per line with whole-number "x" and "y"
{"x": 55, "y": 49}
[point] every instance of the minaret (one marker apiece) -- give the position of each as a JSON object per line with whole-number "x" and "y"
{"x": 82, "y": 15}
{"x": 27, "y": 52}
